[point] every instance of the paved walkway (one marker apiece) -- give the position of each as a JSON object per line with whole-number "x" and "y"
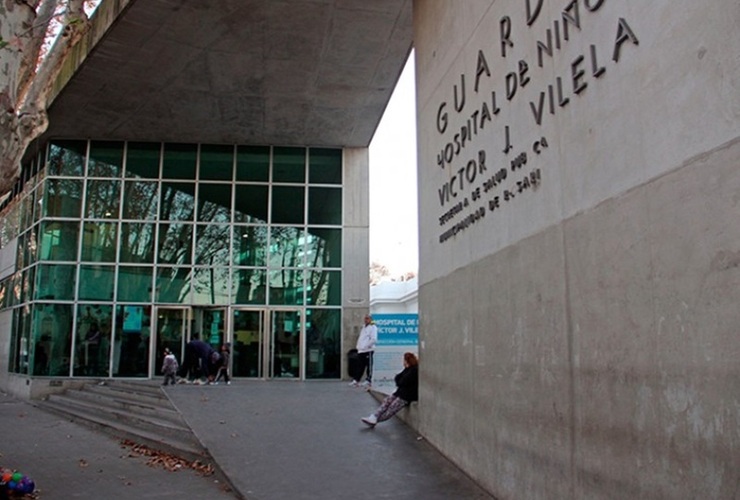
{"x": 67, "y": 460}
{"x": 274, "y": 440}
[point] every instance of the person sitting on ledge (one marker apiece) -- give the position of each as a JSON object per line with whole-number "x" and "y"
{"x": 407, "y": 390}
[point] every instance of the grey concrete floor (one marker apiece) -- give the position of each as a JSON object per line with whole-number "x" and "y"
{"x": 288, "y": 439}
{"x": 273, "y": 439}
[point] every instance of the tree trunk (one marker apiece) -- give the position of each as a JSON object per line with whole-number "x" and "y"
{"x": 27, "y": 74}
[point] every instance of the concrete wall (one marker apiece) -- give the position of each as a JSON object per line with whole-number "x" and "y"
{"x": 579, "y": 338}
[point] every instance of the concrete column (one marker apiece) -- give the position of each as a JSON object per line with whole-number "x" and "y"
{"x": 356, "y": 246}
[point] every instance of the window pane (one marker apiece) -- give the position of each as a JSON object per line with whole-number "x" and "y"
{"x": 67, "y": 158}
{"x": 249, "y": 286}
{"x": 216, "y": 162}
{"x": 9, "y": 226}
{"x": 38, "y": 211}
{"x": 58, "y": 241}
{"x": 135, "y": 284}
{"x": 55, "y": 282}
{"x": 92, "y": 351}
{"x": 15, "y": 289}
{"x": 140, "y": 200}
{"x": 4, "y": 297}
{"x": 214, "y": 202}
{"x": 177, "y": 201}
{"x": 21, "y": 252}
{"x": 324, "y": 288}
{"x": 137, "y": 243}
{"x": 142, "y": 160}
{"x": 99, "y": 241}
{"x": 289, "y": 165}
{"x": 324, "y": 247}
{"x": 250, "y": 245}
{"x": 31, "y": 246}
{"x": 325, "y": 166}
{"x": 286, "y": 247}
{"x": 324, "y": 206}
{"x": 323, "y": 338}
{"x": 250, "y": 203}
{"x": 96, "y": 282}
{"x": 179, "y": 161}
{"x": 173, "y": 285}
{"x": 103, "y": 199}
{"x": 211, "y": 286}
{"x": 175, "y": 243}
{"x": 19, "y": 341}
{"x": 131, "y": 351}
{"x": 287, "y": 204}
{"x": 28, "y": 276}
{"x": 27, "y": 211}
{"x": 63, "y": 198}
{"x": 212, "y": 244}
{"x": 253, "y": 163}
{"x": 286, "y": 287}
{"x": 106, "y": 159}
{"x": 53, "y": 339}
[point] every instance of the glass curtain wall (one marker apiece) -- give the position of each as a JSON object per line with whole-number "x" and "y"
{"x": 107, "y": 230}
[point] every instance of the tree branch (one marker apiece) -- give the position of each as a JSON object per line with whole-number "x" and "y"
{"x": 36, "y": 36}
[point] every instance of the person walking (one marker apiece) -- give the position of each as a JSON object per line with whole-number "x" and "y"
{"x": 407, "y": 390}
{"x": 169, "y": 367}
{"x": 223, "y": 370}
{"x": 365, "y": 350}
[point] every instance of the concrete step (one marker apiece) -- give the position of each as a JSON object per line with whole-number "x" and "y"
{"x": 140, "y": 416}
{"x": 179, "y": 447}
{"x": 161, "y": 409}
{"x": 129, "y": 390}
{"x": 170, "y": 425}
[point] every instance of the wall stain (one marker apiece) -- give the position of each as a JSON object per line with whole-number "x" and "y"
{"x": 725, "y": 260}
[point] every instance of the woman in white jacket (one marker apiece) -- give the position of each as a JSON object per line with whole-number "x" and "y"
{"x": 365, "y": 349}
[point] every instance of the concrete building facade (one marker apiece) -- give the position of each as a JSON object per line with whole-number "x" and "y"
{"x": 205, "y": 172}
{"x": 579, "y": 262}
{"x": 578, "y": 283}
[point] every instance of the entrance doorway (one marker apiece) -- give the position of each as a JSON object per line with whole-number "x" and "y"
{"x": 176, "y": 326}
{"x": 268, "y": 343}
{"x": 284, "y": 344}
{"x": 172, "y": 332}
{"x": 209, "y": 325}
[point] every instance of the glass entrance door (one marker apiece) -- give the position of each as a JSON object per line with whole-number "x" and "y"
{"x": 246, "y": 350}
{"x": 284, "y": 344}
{"x": 209, "y": 324}
{"x": 268, "y": 343}
{"x": 172, "y": 332}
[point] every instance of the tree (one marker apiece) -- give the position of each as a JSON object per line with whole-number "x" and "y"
{"x": 35, "y": 38}
{"x": 378, "y": 272}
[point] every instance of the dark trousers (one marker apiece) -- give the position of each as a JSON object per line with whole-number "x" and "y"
{"x": 222, "y": 372}
{"x": 190, "y": 367}
{"x": 366, "y": 361}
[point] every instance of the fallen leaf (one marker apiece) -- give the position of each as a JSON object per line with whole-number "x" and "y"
{"x": 167, "y": 461}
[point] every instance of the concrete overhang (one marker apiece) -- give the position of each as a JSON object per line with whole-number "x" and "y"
{"x": 284, "y": 72}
